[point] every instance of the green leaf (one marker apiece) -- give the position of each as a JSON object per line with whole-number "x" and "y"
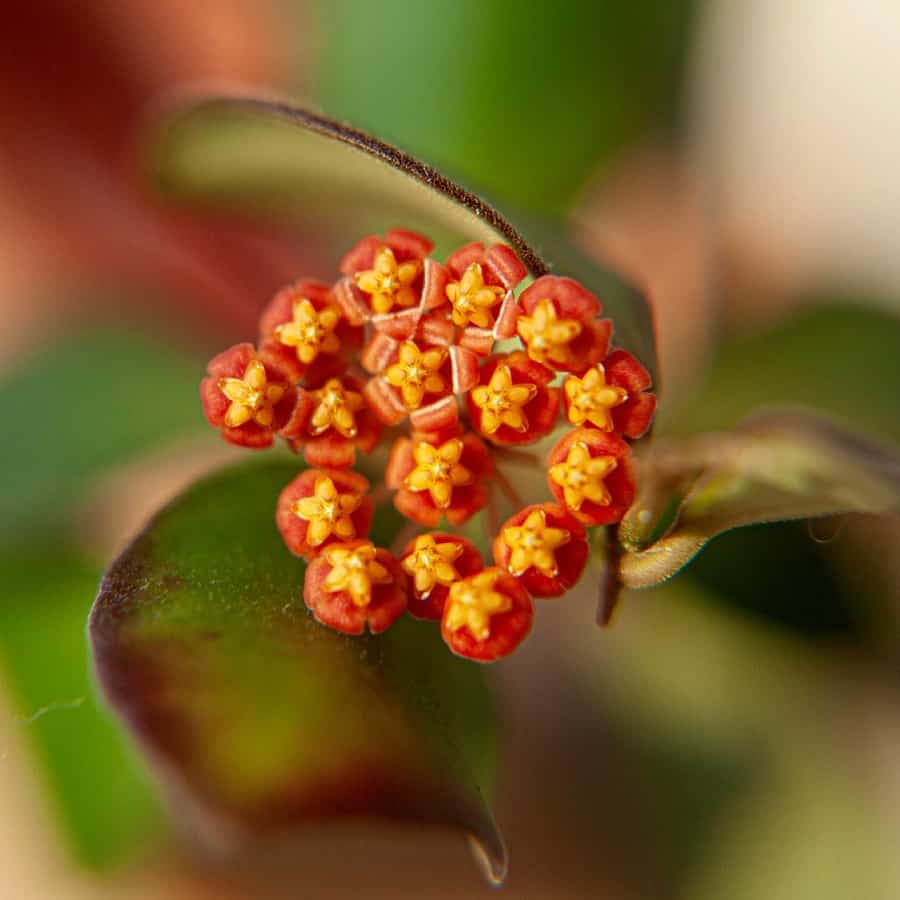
{"x": 287, "y": 162}
{"x": 78, "y": 407}
{"x": 106, "y": 807}
{"x": 260, "y": 717}
{"x": 777, "y": 466}
{"x": 526, "y": 100}
{"x": 840, "y": 358}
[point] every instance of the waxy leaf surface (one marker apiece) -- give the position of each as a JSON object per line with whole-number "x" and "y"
{"x": 258, "y": 719}
{"x": 291, "y": 164}
{"x": 775, "y": 467}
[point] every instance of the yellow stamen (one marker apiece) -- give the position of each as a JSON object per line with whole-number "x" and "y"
{"x": 335, "y": 408}
{"x": 501, "y": 402}
{"x": 534, "y": 544}
{"x": 472, "y": 299}
{"x": 431, "y": 564}
{"x": 438, "y": 470}
{"x": 311, "y": 332}
{"x": 472, "y": 602}
{"x": 389, "y": 283}
{"x": 581, "y": 477}
{"x": 546, "y": 336}
{"x": 416, "y": 373}
{"x": 355, "y": 571}
{"x": 251, "y": 396}
{"x": 328, "y": 512}
{"x": 591, "y": 399}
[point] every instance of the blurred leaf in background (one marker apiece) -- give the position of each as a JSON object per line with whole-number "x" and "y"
{"x": 82, "y": 405}
{"x": 107, "y": 807}
{"x": 524, "y": 99}
{"x": 839, "y": 356}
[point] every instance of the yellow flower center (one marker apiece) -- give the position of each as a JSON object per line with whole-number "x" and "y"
{"x": 582, "y": 477}
{"x": 252, "y": 397}
{"x": 355, "y": 570}
{"x": 388, "y": 282}
{"x": 438, "y": 470}
{"x": 591, "y": 399}
{"x": 416, "y": 373}
{"x": 328, "y": 512}
{"x": 431, "y": 564}
{"x": 472, "y": 299}
{"x": 546, "y": 336}
{"x": 534, "y": 544}
{"x": 335, "y": 408}
{"x": 311, "y": 332}
{"x": 501, "y": 402}
{"x": 472, "y": 602}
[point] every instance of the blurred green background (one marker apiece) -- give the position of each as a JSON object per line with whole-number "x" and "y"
{"x": 735, "y": 734}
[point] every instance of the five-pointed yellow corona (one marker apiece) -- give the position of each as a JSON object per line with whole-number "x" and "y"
{"x": 501, "y": 402}
{"x": 582, "y": 478}
{"x": 431, "y": 564}
{"x": 355, "y": 571}
{"x": 438, "y": 470}
{"x": 472, "y": 299}
{"x": 252, "y": 397}
{"x": 416, "y": 373}
{"x": 336, "y": 407}
{"x": 328, "y": 512}
{"x": 472, "y": 602}
{"x": 311, "y": 331}
{"x": 388, "y": 282}
{"x": 546, "y": 336}
{"x": 592, "y": 400}
{"x": 534, "y": 544}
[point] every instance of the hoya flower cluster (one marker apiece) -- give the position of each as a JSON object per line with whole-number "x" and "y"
{"x": 401, "y": 348}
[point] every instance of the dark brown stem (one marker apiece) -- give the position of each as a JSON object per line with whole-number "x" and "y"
{"x": 610, "y": 585}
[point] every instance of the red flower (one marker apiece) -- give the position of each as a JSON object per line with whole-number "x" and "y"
{"x": 486, "y": 616}
{"x": 611, "y": 396}
{"x": 424, "y": 355}
{"x": 330, "y": 424}
{"x": 433, "y": 563}
{"x": 480, "y": 290}
{"x": 439, "y": 479}
{"x": 559, "y": 325}
{"x": 248, "y": 398}
{"x": 304, "y": 332}
{"x": 322, "y": 506}
{"x": 354, "y": 584}
{"x": 544, "y": 547}
{"x": 634, "y": 416}
{"x": 417, "y": 380}
{"x": 390, "y": 282}
{"x": 590, "y": 473}
{"x": 513, "y": 403}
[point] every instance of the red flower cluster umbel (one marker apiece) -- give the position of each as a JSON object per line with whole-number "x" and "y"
{"x": 403, "y": 341}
